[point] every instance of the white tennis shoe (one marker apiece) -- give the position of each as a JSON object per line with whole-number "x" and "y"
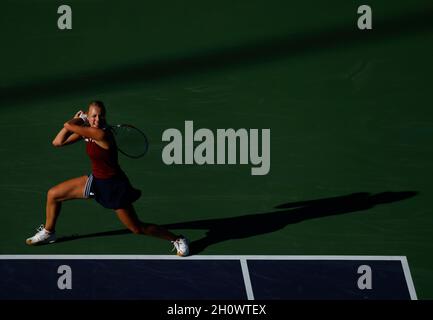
{"x": 42, "y": 236}
{"x": 182, "y": 246}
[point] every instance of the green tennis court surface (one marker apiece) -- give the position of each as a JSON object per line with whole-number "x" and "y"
{"x": 350, "y": 115}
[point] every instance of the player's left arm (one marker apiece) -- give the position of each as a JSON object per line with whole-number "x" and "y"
{"x": 76, "y": 125}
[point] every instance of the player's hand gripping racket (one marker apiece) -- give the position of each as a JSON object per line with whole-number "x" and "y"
{"x": 131, "y": 141}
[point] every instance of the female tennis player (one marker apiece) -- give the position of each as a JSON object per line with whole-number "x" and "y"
{"x": 107, "y": 183}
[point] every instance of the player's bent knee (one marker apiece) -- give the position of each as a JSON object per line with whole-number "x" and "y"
{"x": 53, "y": 194}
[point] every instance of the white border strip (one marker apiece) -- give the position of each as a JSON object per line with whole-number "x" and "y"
{"x": 247, "y": 280}
{"x": 197, "y": 257}
{"x": 408, "y": 277}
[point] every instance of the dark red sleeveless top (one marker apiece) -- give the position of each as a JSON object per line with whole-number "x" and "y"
{"x": 105, "y": 162}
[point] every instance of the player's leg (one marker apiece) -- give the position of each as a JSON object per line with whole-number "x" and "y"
{"x": 130, "y": 220}
{"x": 70, "y": 189}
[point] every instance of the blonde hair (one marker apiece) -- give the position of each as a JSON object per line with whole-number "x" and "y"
{"x": 100, "y": 105}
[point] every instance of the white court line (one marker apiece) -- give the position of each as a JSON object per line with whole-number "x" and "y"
{"x": 197, "y": 257}
{"x": 247, "y": 280}
{"x": 409, "y": 281}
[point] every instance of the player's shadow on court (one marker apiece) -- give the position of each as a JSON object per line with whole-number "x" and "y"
{"x": 240, "y": 227}
{"x": 246, "y": 226}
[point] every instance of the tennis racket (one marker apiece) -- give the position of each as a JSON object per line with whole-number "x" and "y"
{"x": 131, "y": 141}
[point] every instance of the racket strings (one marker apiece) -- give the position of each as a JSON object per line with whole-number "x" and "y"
{"x": 130, "y": 141}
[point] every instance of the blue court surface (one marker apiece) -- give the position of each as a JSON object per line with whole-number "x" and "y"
{"x": 160, "y": 277}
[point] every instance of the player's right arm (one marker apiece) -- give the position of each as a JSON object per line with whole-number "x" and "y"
{"x": 65, "y": 137}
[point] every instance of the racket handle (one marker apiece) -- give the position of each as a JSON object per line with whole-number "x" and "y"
{"x": 84, "y": 117}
